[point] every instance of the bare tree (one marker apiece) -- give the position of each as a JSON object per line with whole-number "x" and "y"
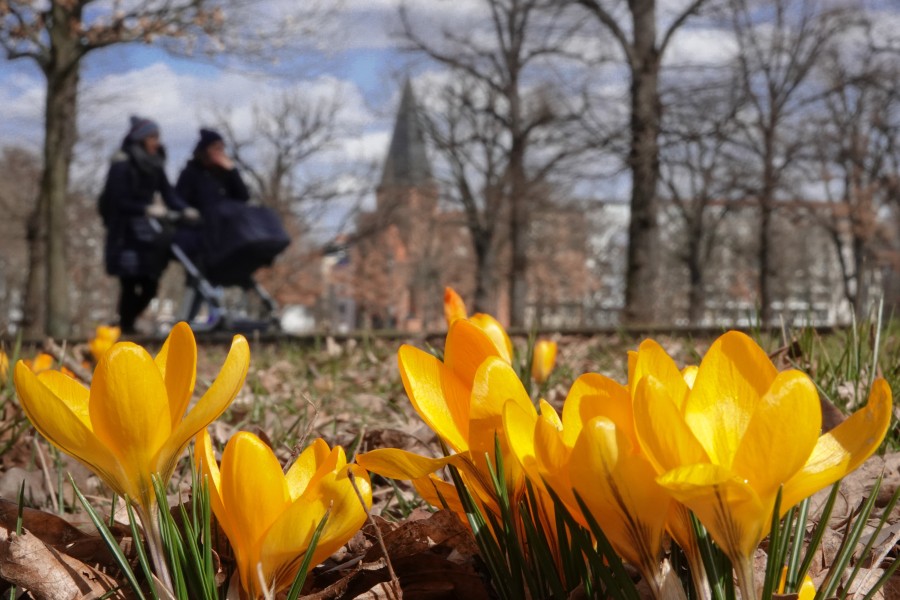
{"x": 18, "y": 187}
{"x": 57, "y": 36}
{"x": 856, "y": 153}
{"x": 635, "y": 32}
{"x": 697, "y": 176}
{"x": 776, "y": 58}
{"x": 505, "y": 65}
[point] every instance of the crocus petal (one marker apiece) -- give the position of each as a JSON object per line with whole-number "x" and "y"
{"x": 733, "y": 376}
{"x": 306, "y": 466}
{"x": 454, "y": 307}
{"x": 651, "y": 359}
{"x": 496, "y": 333}
{"x": 400, "y": 464}
{"x": 438, "y": 492}
{"x": 495, "y": 384}
{"x": 690, "y": 374}
{"x": 129, "y": 403}
{"x": 785, "y": 425}
{"x": 439, "y": 396}
{"x": 177, "y": 363}
{"x": 209, "y": 468}
{"x": 65, "y": 423}
{"x": 663, "y": 434}
{"x": 620, "y": 490}
{"x": 843, "y": 448}
{"x": 289, "y": 536}
{"x": 467, "y": 346}
{"x": 213, "y": 403}
{"x": 519, "y": 423}
{"x": 254, "y": 495}
{"x": 729, "y": 508}
{"x": 593, "y": 395}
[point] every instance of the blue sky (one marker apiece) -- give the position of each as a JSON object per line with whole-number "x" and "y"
{"x": 356, "y": 64}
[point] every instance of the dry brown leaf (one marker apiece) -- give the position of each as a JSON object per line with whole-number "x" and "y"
{"x": 49, "y": 574}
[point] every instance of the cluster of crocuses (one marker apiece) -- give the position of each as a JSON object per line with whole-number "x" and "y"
{"x": 133, "y": 425}
{"x": 720, "y": 440}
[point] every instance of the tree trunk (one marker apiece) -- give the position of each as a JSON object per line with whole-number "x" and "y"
{"x": 33, "y": 318}
{"x": 643, "y": 229}
{"x": 696, "y": 297}
{"x": 60, "y": 130}
{"x": 484, "y": 272}
{"x": 518, "y": 238}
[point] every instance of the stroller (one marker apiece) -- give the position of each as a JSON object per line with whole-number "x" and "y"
{"x": 237, "y": 241}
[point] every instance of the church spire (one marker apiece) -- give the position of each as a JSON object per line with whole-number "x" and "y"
{"x": 407, "y": 164}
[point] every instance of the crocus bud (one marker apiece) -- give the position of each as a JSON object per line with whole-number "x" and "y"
{"x": 544, "y": 360}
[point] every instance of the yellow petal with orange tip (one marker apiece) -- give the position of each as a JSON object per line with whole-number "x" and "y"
{"x": 844, "y": 448}
{"x": 177, "y": 363}
{"x": 467, "y": 346}
{"x": 438, "y": 394}
{"x": 496, "y": 333}
{"x": 454, "y": 307}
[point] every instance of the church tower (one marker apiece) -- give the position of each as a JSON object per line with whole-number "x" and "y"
{"x": 398, "y": 279}
{"x": 407, "y": 193}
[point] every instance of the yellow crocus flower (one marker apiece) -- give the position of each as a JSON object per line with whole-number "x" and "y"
{"x": 104, "y": 338}
{"x": 592, "y": 451}
{"x": 543, "y": 361}
{"x": 131, "y": 424}
{"x": 270, "y": 516}
{"x": 461, "y": 399}
{"x": 4, "y": 368}
{"x": 725, "y": 446}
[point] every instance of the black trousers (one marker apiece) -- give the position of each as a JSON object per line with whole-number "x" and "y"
{"x": 136, "y": 295}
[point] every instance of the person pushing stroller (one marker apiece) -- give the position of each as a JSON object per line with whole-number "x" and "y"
{"x": 236, "y": 238}
{"x": 136, "y": 195}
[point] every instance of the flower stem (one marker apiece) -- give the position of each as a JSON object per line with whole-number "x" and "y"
{"x": 746, "y": 580}
{"x": 150, "y": 521}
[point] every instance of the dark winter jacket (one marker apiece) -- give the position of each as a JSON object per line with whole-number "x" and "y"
{"x": 134, "y": 247}
{"x": 207, "y": 189}
{"x": 236, "y": 238}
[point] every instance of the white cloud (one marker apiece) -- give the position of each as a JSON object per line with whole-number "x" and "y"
{"x": 701, "y": 47}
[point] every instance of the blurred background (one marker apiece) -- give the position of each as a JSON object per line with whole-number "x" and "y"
{"x": 563, "y": 163}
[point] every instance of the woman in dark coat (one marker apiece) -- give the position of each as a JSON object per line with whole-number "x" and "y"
{"x": 210, "y": 183}
{"x": 137, "y": 251}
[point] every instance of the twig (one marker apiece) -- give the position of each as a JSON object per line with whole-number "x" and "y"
{"x": 46, "y": 471}
{"x": 394, "y": 591}
{"x": 59, "y": 353}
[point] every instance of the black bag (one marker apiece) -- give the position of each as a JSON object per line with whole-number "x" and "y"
{"x": 241, "y": 239}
